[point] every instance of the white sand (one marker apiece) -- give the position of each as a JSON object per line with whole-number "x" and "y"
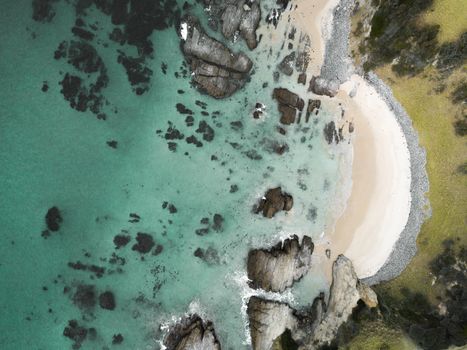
{"x": 379, "y": 204}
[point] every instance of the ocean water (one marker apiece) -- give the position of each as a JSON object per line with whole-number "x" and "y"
{"x": 52, "y": 155}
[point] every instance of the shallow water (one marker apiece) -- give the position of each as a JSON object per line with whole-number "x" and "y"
{"x": 52, "y": 155}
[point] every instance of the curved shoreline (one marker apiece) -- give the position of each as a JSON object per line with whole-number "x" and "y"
{"x": 338, "y": 66}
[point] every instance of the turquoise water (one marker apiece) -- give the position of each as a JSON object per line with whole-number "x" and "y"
{"x": 52, "y": 155}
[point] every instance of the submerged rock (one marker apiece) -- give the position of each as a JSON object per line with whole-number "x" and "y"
{"x": 53, "y": 219}
{"x": 107, "y": 300}
{"x": 192, "y": 333}
{"x": 274, "y": 201}
{"x": 216, "y": 70}
{"x": 279, "y": 267}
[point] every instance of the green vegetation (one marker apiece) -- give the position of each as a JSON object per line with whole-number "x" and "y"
{"x": 426, "y": 69}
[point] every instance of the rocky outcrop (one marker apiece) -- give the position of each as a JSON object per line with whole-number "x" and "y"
{"x": 317, "y": 327}
{"x": 268, "y": 320}
{"x": 289, "y": 104}
{"x": 287, "y": 63}
{"x": 237, "y": 17}
{"x": 216, "y": 69}
{"x": 320, "y": 86}
{"x": 274, "y": 201}
{"x": 346, "y": 290}
{"x": 192, "y": 333}
{"x": 279, "y": 267}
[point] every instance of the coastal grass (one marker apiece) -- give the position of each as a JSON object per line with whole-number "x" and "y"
{"x": 446, "y": 13}
{"x": 377, "y": 335}
{"x": 433, "y": 114}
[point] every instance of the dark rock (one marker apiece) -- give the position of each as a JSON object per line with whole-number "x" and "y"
{"x": 99, "y": 271}
{"x": 236, "y": 125}
{"x": 117, "y": 339}
{"x": 173, "y": 133}
{"x": 209, "y": 255}
{"x": 112, "y": 143}
{"x": 121, "y": 241}
{"x": 191, "y": 333}
{"x": 330, "y": 133}
{"x": 76, "y": 333}
{"x": 139, "y": 75}
{"x": 144, "y": 244}
{"x": 313, "y": 105}
{"x": 45, "y": 87}
{"x": 302, "y": 79}
{"x": 274, "y": 201}
{"x": 85, "y": 297}
{"x": 233, "y": 188}
{"x": 82, "y": 33}
{"x": 286, "y": 65}
{"x": 53, "y": 219}
{"x": 218, "y": 222}
{"x": 182, "y": 109}
{"x": 107, "y": 300}
{"x": 42, "y": 10}
{"x": 118, "y": 36}
{"x": 206, "y": 130}
{"x": 193, "y": 140}
{"x": 289, "y": 103}
{"x": 217, "y": 71}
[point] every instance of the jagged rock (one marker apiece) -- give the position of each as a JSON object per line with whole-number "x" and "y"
{"x": 289, "y": 103}
{"x": 192, "y": 333}
{"x": 286, "y": 65}
{"x": 320, "y": 86}
{"x": 268, "y": 320}
{"x": 236, "y": 17}
{"x": 346, "y": 290}
{"x": 274, "y": 201}
{"x": 279, "y": 267}
{"x": 216, "y": 70}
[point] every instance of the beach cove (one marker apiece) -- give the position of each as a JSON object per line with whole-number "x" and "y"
{"x": 155, "y": 193}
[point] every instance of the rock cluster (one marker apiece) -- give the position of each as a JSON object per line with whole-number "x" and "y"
{"x": 345, "y": 292}
{"x": 192, "y": 333}
{"x": 315, "y": 328}
{"x": 279, "y": 267}
{"x": 240, "y": 17}
{"x": 289, "y": 104}
{"x": 216, "y": 69}
{"x": 268, "y": 320}
{"x": 274, "y": 201}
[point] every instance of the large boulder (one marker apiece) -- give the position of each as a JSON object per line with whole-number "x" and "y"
{"x": 278, "y": 268}
{"x": 192, "y": 333}
{"x": 274, "y": 201}
{"x": 288, "y": 104}
{"x": 216, "y": 69}
{"x": 268, "y": 320}
{"x": 320, "y": 86}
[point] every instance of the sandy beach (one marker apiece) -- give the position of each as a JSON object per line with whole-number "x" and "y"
{"x": 379, "y": 204}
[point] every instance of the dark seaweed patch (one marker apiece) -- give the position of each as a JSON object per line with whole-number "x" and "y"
{"x": 144, "y": 244}
{"x": 107, "y": 300}
{"x": 53, "y": 219}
